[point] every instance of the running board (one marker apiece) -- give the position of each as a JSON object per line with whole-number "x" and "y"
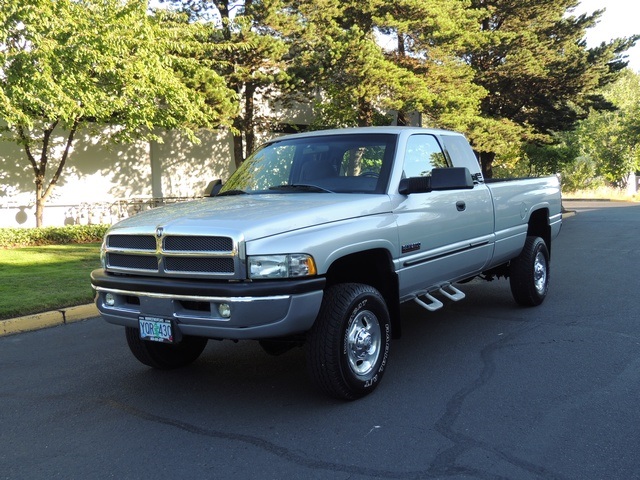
{"x": 432, "y": 304}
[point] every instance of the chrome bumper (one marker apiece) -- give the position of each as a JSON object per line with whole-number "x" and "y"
{"x": 251, "y": 314}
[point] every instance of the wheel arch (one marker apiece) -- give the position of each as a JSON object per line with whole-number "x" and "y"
{"x": 372, "y": 267}
{"x": 538, "y": 226}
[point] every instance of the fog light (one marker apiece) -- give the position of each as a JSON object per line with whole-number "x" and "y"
{"x": 110, "y": 299}
{"x": 224, "y": 309}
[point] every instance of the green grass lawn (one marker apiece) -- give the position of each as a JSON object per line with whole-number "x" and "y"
{"x": 38, "y": 279}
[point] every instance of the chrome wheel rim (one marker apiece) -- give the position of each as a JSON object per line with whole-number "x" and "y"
{"x": 540, "y": 273}
{"x": 363, "y": 343}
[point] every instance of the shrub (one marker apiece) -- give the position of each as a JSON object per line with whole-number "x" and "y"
{"x": 582, "y": 174}
{"x": 23, "y": 237}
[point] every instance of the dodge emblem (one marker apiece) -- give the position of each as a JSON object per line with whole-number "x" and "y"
{"x": 159, "y": 231}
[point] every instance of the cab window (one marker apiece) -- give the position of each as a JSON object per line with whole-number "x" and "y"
{"x": 423, "y": 154}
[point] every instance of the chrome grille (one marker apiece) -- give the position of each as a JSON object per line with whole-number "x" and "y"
{"x": 198, "y": 244}
{"x": 174, "y": 255}
{"x": 136, "y": 262}
{"x": 198, "y": 264}
{"x": 132, "y": 242}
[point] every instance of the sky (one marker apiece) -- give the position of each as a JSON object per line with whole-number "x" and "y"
{"x": 620, "y": 19}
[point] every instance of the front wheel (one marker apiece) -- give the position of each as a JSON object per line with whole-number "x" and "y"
{"x": 348, "y": 346}
{"x": 164, "y": 356}
{"x": 529, "y": 273}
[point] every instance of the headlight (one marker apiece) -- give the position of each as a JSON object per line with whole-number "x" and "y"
{"x": 281, "y": 266}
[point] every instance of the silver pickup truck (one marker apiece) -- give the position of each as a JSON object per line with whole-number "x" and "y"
{"x": 316, "y": 240}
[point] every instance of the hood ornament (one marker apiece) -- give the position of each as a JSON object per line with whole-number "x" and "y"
{"x": 159, "y": 232}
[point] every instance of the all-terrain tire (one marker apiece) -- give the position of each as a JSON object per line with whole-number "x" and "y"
{"x": 163, "y": 356}
{"x": 348, "y": 346}
{"x": 529, "y": 273}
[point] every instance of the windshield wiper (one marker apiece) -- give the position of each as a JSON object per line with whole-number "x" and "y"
{"x": 301, "y": 187}
{"x": 231, "y": 192}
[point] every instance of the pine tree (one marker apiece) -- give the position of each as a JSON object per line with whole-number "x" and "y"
{"x": 246, "y": 43}
{"x": 540, "y": 76}
{"x": 346, "y": 51}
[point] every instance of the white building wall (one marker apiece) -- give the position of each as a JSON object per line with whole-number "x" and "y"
{"x": 103, "y": 175}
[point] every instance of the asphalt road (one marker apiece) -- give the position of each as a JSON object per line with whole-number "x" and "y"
{"x": 482, "y": 389}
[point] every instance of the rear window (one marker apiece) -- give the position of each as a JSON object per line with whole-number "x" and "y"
{"x": 461, "y": 153}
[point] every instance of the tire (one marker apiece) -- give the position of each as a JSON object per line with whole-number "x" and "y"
{"x": 348, "y": 345}
{"x": 529, "y": 273}
{"x": 163, "y": 356}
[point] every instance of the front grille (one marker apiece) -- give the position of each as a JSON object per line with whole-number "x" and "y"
{"x": 198, "y": 264}
{"x": 135, "y": 262}
{"x": 178, "y": 255}
{"x": 132, "y": 242}
{"x": 198, "y": 244}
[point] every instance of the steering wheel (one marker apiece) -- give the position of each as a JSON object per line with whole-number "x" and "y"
{"x": 369, "y": 174}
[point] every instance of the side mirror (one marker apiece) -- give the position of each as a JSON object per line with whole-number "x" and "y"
{"x": 453, "y": 178}
{"x": 213, "y": 188}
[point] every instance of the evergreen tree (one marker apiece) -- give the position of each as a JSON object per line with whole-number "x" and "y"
{"x": 344, "y": 52}
{"x": 246, "y": 43}
{"x": 432, "y": 38}
{"x": 540, "y": 76}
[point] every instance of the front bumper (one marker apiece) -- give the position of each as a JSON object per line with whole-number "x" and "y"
{"x": 262, "y": 309}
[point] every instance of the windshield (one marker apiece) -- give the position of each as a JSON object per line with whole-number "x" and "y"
{"x": 347, "y": 163}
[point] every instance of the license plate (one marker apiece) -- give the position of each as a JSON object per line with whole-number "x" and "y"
{"x": 156, "y": 329}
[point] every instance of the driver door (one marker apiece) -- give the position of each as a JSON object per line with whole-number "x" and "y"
{"x": 444, "y": 235}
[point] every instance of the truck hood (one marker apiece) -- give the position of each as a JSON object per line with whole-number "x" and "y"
{"x": 254, "y": 216}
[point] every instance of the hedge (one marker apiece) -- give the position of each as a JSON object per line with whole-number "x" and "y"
{"x": 24, "y": 237}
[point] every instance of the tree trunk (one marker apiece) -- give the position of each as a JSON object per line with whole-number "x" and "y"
{"x": 40, "y": 201}
{"x": 40, "y": 167}
{"x": 486, "y": 161}
{"x": 238, "y": 151}
{"x": 249, "y": 113}
{"x": 245, "y": 138}
{"x": 403, "y": 119}
{"x": 365, "y": 113}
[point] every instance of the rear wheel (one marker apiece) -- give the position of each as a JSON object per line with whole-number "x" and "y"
{"x": 529, "y": 273}
{"x": 165, "y": 356}
{"x": 348, "y": 345}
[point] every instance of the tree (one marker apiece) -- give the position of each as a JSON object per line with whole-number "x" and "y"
{"x": 540, "y": 76}
{"x": 328, "y": 50}
{"x": 339, "y": 54}
{"x": 432, "y": 38}
{"x": 245, "y": 42}
{"x": 610, "y": 138}
{"x": 70, "y": 64}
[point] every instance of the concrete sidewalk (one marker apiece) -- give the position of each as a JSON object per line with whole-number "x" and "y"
{"x": 47, "y": 319}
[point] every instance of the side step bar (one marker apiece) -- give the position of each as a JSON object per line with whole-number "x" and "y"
{"x": 452, "y": 293}
{"x": 432, "y": 304}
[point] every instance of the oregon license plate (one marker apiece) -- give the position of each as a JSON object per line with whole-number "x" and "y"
{"x": 156, "y": 329}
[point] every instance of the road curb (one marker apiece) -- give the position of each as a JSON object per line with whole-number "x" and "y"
{"x": 37, "y": 321}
